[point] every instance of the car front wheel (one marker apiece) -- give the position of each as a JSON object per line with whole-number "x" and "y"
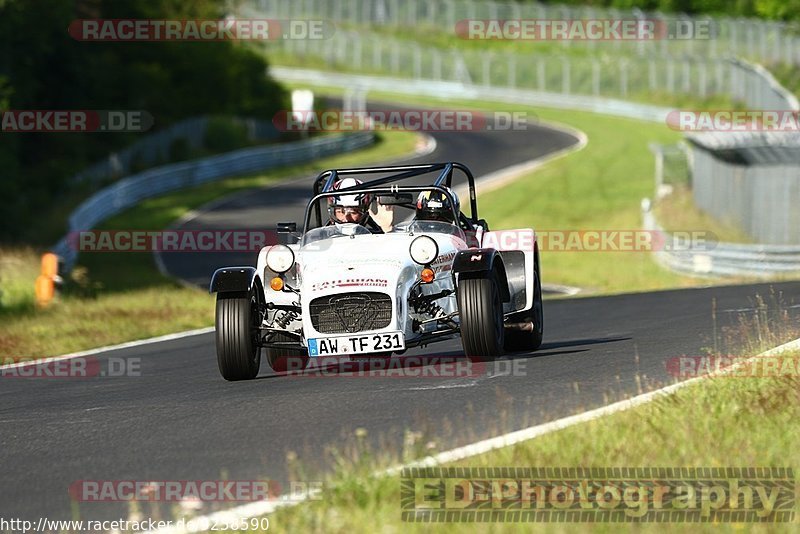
{"x": 481, "y": 313}
{"x": 237, "y": 329}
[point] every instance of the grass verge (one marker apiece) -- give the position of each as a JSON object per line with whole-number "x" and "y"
{"x": 122, "y": 297}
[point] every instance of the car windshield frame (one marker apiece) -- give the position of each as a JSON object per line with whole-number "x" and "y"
{"x": 375, "y": 191}
{"x": 418, "y": 227}
{"x": 332, "y": 231}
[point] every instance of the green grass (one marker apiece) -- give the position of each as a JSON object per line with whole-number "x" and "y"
{"x": 122, "y": 297}
{"x": 788, "y": 76}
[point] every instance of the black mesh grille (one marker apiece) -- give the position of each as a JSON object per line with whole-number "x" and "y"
{"x": 351, "y": 312}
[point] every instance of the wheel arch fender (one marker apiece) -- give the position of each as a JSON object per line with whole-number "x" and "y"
{"x": 482, "y": 260}
{"x": 236, "y": 280}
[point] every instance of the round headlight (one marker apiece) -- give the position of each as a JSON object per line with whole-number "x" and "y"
{"x": 280, "y": 258}
{"x": 423, "y": 250}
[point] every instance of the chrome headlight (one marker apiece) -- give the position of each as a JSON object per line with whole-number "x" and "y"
{"x": 280, "y": 258}
{"x": 423, "y": 250}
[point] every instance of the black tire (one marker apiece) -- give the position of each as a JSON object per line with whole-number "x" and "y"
{"x": 283, "y": 360}
{"x": 238, "y": 348}
{"x": 522, "y": 340}
{"x": 480, "y": 310}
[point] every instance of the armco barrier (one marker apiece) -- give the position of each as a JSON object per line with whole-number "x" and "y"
{"x": 725, "y": 259}
{"x": 133, "y": 189}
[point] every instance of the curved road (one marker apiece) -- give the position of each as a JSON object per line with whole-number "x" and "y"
{"x": 180, "y": 421}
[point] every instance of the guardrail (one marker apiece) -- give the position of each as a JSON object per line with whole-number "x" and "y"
{"x": 723, "y": 259}
{"x": 450, "y": 89}
{"x": 133, "y": 189}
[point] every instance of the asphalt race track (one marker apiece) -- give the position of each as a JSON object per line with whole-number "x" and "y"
{"x": 180, "y": 420}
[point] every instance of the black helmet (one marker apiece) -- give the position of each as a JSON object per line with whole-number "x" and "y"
{"x": 434, "y": 205}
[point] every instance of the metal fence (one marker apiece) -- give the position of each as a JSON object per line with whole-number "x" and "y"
{"x": 133, "y": 189}
{"x": 759, "y": 40}
{"x": 761, "y": 199}
{"x": 600, "y": 75}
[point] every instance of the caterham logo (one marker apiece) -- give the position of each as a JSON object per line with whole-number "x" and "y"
{"x": 350, "y": 282}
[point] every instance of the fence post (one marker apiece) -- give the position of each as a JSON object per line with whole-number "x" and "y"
{"x": 540, "y": 75}
{"x": 595, "y": 78}
{"x": 623, "y": 78}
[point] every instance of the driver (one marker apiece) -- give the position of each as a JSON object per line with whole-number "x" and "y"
{"x": 433, "y": 205}
{"x": 354, "y": 209}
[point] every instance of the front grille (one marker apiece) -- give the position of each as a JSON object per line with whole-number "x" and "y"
{"x": 351, "y": 312}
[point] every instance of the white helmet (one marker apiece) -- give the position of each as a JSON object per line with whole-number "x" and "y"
{"x": 348, "y": 208}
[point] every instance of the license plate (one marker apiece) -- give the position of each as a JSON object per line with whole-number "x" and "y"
{"x": 367, "y": 343}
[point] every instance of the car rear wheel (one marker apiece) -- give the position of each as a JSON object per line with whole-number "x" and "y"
{"x": 237, "y": 329}
{"x": 481, "y": 313}
{"x": 529, "y": 338}
{"x": 283, "y": 360}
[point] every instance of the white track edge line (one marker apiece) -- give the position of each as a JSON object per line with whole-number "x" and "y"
{"x": 109, "y": 348}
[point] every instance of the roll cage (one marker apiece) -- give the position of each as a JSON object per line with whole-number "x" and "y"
{"x": 323, "y": 187}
